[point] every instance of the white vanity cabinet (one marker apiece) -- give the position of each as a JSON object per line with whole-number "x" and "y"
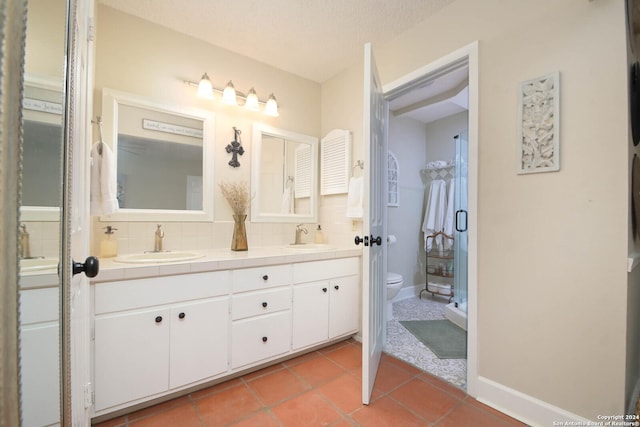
{"x": 40, "y": 366}
{"x": 325, "y": 300}
{"x": 261, "y": 314}
{"x": 157, "y": 334}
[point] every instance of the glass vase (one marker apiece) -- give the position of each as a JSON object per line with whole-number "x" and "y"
{"x": 239, "y": 240}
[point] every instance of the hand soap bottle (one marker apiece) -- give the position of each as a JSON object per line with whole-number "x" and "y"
{"x": 319, "y": 238}
{"x": 108, "y": 245}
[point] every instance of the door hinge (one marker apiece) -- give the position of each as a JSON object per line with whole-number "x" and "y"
{"x": 91, "y": 29}
{"x": 89, "y": 395}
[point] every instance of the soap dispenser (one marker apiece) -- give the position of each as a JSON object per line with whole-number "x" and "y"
{"x": 319, "y": 238}
{"x": 108, "y": 245}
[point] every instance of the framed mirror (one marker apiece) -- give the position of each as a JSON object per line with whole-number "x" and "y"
{"x": 164, "y": 159}
{"x": 283, "y": 176}
{"x": 42, "y": 149}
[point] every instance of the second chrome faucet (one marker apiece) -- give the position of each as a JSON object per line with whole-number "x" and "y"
{"x": 159, "y": 236}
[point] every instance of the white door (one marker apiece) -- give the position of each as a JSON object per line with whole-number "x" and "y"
{"x": 76, "y": 323}
{"x": 374, "y": 256}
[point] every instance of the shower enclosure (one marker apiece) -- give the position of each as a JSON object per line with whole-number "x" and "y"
{"x": 457, "y": 310}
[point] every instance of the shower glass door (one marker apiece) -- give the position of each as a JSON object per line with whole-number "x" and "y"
{"x": 460, "y": 234}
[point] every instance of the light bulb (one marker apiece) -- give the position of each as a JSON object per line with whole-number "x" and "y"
{"x": 271, "y": 109}
{"x": 229, "y": 94}
{"x": 251, "y": 102}
{"x": 205, "y": 89}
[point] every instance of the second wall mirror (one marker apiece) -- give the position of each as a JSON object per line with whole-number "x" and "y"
{"x": 283, "y": 176}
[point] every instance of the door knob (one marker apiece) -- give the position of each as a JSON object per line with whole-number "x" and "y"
{"x": 358, "y": 240}
{"x": 90, "y": 267}
{"x": 376, "y": 241}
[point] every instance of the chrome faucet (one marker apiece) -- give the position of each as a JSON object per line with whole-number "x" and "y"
{"x": 157, "y": 245}
{"x": 25, "y": 247}
{"x": 299, "y": 230}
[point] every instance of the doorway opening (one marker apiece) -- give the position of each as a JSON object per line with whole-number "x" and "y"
{"x": 431, "y": 123}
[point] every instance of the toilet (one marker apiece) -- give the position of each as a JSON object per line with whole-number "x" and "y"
{"x": 394, "y": 284}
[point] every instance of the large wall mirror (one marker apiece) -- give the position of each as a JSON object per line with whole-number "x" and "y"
{"x": 283, "y": 176}
{"x": 164, "y": 159}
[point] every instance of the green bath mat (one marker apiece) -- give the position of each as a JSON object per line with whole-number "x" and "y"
{"x": 445, "y": 339}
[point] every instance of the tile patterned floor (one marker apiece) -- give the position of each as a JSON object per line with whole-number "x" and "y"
{"x": 403, "y": 345}
{"x": 322, "y": 388}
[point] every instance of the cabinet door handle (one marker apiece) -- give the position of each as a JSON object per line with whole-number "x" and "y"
{"x": 264, "y": 339}
{"x": 158, "y": 319}
{"x": 181, "y": 316}
{"x": 324, "y": 289}
{"x": 336, "y": 287}
{"x": 265, "y": 277}
{"x": 264, "y": 304}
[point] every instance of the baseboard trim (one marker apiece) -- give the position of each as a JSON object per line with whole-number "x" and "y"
{"x": 523, "y": 407}
{"x": 409, "y": 292}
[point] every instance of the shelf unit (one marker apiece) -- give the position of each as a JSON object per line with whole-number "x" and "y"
{"x": 441, "y": 266}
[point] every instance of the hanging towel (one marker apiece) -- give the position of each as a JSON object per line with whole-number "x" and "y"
{"x": 434, "y": 213}
{"x": 449, "y": 219}
{"x": 354, "y": 197}
{"x": 103, "y": 181}
{"x": 287, "y": 199}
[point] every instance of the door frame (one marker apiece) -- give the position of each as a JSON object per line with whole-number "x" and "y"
{"x": 468, "y": 54}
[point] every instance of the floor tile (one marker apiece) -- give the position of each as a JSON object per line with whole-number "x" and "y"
{"x": 277, "y": 386}
{"x": 401, "y": 364}
{"x": 425, "y": 399}
{"x": 161, "y": 407}
{"x": 384, "y": 412}
{"x": 467, "y": 414}
{"x": 115, "y": 422}
{"x": 443, "y": 385}
{"x": 389, "y": 377}
{"x": 260, "y": 419}
{"x": 215, "y": 389}
{"x": 227, "y": 406}
{"x": 345, "y": 392}
{"x": 504, "y": 417}
{"x": 349, "y": 357}
{"x": 335, "y": 346}
{"x": 262, "y": 372}
{"x": 308, "y": 409}
{"x": 302, "y": 359}
{"x": 318, "y": 370}
{"x": 184, "y": 415}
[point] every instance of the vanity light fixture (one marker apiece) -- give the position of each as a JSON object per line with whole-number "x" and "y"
{"x": 230, "y": 96}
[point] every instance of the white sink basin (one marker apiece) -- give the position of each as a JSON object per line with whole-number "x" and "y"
{"x": 38, "y": 264}
{"x": 158, "y": 257}
{"x": 309, "y": 247}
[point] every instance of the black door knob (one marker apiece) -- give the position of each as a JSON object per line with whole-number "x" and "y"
{"x": 158, "y": 319}
{"x": 181, "y": 316}
{"x": 376, "y": 241}
{"x": 90, "y": 267}
{"x": 358, "y": 240}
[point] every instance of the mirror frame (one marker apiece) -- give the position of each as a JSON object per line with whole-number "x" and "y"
{"x": 259, "y": 130}
{"x": 111, "y": 99}
{"x": 44, "y": 213}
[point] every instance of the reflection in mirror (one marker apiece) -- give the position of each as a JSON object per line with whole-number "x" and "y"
{"x": 283, "y": 176}
{"x": 42, "y": 149}
{"x": 163, "y": 159}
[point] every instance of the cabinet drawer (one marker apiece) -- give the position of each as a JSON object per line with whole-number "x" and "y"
{"x": 132, "y": 294}
{"x": 260, "y": 338}
{"x": 327, "y": 269}
{"x": 39, "y": 305}
{"x": 260, "y": 302}
{"x": 250, "y": 279}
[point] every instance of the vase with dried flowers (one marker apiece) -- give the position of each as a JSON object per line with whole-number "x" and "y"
{"x": 237, "y": 195}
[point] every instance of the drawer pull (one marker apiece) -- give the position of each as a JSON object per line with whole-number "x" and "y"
{"x": 336, "y": 287}
{"x": 181, "y": 315}
{"x": 264, "y": 304}
{"x": 265, "y": 277}
{"x": 264, "y": 339}
{"x": 158, "y": 319}
{"x": 324, "y": 289}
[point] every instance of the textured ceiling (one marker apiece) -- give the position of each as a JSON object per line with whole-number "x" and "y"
{"x": 315, "y": 39}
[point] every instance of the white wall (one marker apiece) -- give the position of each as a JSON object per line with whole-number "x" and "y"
{"x": 552, "y": 248}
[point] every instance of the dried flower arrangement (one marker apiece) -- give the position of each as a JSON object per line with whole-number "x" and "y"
{"x": 237, "y": 195}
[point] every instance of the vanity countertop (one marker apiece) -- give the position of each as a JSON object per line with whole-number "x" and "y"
{"x": 219, "y": 259}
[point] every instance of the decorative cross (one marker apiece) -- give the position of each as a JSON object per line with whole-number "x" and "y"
{"x": 235, "y": 148}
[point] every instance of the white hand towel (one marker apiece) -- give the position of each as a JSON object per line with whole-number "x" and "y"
{"x": 434, "y": 213}
{"x": 449, "y": 219}
{"x": 103, "y": 181}
{"x": 354, "y": 197}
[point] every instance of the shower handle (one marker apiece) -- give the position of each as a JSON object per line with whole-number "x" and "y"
{"x": 458, "y": 228}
